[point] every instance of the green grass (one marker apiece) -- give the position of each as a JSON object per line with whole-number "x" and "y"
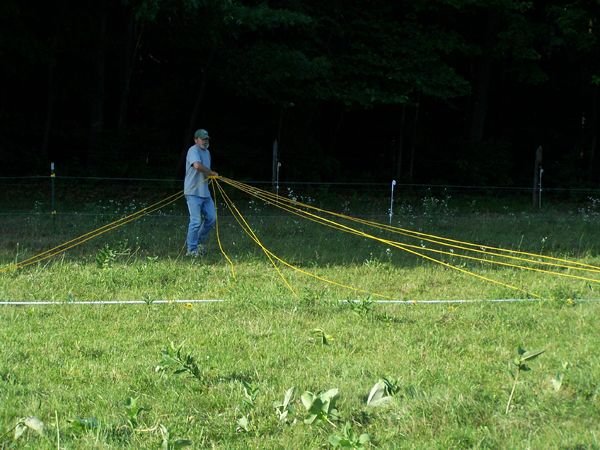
{"x": 451, "y": 362}
{"x": 74, "y": 367}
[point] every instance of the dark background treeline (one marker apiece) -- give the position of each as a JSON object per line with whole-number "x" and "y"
{"x": 423, "y": 91}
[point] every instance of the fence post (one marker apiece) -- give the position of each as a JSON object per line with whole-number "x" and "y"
{"x": 274, "y": 167}
{"x": 391, "y": 212}
{"x": 52, "y": 180}
{"x": 540, "y": 191}
{"x": 537, "y": 170}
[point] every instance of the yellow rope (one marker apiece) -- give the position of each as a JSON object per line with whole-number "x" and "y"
{"x": 247, "y": 229}
{"x": 405, "y": 247}
{"x": 303, "y": 210}
{"x": 286, "y": 205}
{"x": 486, "y": 250}
{"x": 272, "y": 198}
{"x": 92, "y": 234}
{"x": 213, "y": 183}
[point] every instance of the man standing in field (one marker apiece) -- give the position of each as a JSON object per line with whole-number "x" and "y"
{"x": 197, "y": 194}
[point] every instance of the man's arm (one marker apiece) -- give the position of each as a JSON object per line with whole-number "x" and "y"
{"x": 206, "y": 171}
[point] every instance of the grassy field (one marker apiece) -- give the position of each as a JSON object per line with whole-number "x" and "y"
{"x": 358, "y": 372}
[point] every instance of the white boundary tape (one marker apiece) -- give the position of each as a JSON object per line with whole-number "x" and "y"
{"x": 102, "y": 302}
{"x": 414, "y": 302}
{"x": 155, "y": 302}
{"x": 497, "y": 300}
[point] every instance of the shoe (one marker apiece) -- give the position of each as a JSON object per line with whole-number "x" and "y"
{"x": 195, "y": 253}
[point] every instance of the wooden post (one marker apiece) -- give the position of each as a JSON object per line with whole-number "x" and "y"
{"x": 536, "y": 176}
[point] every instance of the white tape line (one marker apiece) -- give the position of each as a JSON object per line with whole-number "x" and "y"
{"x": 498, "y": 300}
{"x": 390, "y": 302}
{"x": 103, "y": 302}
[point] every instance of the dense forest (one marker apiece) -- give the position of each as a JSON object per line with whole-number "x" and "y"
{"x": 422, "y": 91}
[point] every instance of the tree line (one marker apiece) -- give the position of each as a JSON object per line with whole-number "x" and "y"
{"x": 452, "y": 91}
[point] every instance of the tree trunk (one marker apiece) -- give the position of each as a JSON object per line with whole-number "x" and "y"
{"x": 482, "y": 82}
{"x": 51, "y": 96}
{"x": 594, "y": 124}
{"x": 480, "y": 100}
{"x": 51, "y": 82}
{"x": 195, "y": 115}
{"x": 98, "y": 79}
{"x": 337, "y": 129}
{"x": 400, "y": 147}
{"x": 413, "y": 144}
{"x": 134, "y": 39}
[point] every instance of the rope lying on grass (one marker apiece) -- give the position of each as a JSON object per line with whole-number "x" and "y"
{"x": 445, "y": 246}
{"x": 93, "y": 234}
{"x": 494, "y": 255}
{"x": 272, "y": 257}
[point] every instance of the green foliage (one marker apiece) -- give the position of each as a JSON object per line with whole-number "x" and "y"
{"x": 285, "y": 409}
{"x": 265, "y": 19}
{"x": 325, "y": 57}
{"x": 523, "y": 356}
{"x": 557, "y": 381}
{"x": 173, "y": 360}
{"x": 520, "y": 366}
{"x": 172, "y": 444}
{"x": 574, "y": 23}
{"x": 349, "y": 439}
{"x": 133, "y": 410}
{"x": 83, "y": 424}
{"x": 81, "y": 361}
{"x": 250, "y": 394}
{"x": 320, "y": 407}
{"x": 263, "y": 337}
{"x": 248, "y": 406}
{"x": 382, "y": 392}
{"x": 106, "y": 256}
{"x": 363, "y": 307}
{"x": 243, "y": 424}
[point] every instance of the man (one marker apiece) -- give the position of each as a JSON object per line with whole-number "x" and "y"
{"x": 197, "y": 194}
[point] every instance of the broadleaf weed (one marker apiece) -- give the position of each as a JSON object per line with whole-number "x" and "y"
{"x": 320, "y": 407}
{"x": 81, "y": 424}
{"x": 520, "y": 366}
{"x": 248, "y": 406}
{"x": 174, "y": 360}
{"x": 382, "y": 392}
{"x": 133, "y": 410}
{"x": 363, "y": 307}
{"x": 349, "y": 439}
{"x": 286, "y": 408}
{"x": 168, "y": 444}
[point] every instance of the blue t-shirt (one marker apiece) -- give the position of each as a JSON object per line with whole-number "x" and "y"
{"x": 195, "y": 183}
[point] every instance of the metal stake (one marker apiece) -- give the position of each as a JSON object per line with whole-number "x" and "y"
{"x": 392, "y": 201}
{"x": 540, "y": 190}
{"x": 52, "y": 179}
{"x": 277, "y": 182}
